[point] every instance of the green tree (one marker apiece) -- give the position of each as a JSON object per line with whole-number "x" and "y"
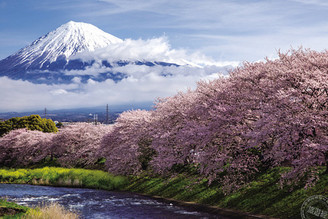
{"x": 59, "y": 125}
{"x": 32, "y": 122}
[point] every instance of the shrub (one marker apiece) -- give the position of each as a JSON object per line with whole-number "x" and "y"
{"x": 33, "y": 122}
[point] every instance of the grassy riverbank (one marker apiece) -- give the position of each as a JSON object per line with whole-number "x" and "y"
{"x": 263, "y": 196}
{"x": 8, "y": 209}
{"x": 56, "y": 176}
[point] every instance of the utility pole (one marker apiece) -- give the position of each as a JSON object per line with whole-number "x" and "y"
{"x": 95, "y": 118}
{"x": 107, "y": 115}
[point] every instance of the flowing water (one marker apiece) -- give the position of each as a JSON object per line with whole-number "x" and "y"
{"x": 90, "y": 203}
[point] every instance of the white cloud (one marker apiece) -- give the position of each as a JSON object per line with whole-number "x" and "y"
{"x": 17, "y": 95}
{"x": 313, "y": 2}
{"x": 142, "y": 84}
{"x": 76, "y": 80}
{"x": 252, "y": 30}
{"x": 156, "y": 49}
{"x": 58, "y": 92}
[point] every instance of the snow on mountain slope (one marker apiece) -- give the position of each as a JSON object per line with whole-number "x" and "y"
{"x": 65, "y": 41}
{"x": 81, "y": 52}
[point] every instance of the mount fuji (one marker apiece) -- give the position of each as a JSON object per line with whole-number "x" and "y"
{"x": 55, "y": 57}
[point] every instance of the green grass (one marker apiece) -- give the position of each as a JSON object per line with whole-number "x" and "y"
{"x": 262, "y": 196}
{"x": 5, "y": 205}
{"x": 56, "y": 176}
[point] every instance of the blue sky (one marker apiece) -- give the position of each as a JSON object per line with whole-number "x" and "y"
{"x": 227, "y": 30}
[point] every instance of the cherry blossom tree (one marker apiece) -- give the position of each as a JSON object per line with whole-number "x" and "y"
{"x": 23, "y": 147}
{"x": 169, "y": 130}
{"x": 78, "y": 145}
{"x": 292, "y": 125}
{"x": 205, "y": 128}
{"x": 126, "y": 147}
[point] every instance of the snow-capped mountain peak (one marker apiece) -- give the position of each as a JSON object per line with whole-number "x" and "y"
{"x": 78, "y": 51}
{"x": 65, "y": 41}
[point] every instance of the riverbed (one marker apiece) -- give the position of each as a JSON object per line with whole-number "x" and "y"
{"x": 91, "y": 203}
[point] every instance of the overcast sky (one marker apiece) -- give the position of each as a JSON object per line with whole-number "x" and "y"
{"x": 208, "y": 31}
{"x": 227, "y": 30}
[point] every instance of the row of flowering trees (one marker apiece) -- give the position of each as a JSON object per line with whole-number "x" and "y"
{"x": 263, "y": 115}
{"x": 73, "y": 146}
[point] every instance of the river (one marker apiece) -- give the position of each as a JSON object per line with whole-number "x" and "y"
{"x": 91, "y": 203}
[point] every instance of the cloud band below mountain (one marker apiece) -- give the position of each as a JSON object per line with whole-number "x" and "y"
{"x": 142, "y": 84}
